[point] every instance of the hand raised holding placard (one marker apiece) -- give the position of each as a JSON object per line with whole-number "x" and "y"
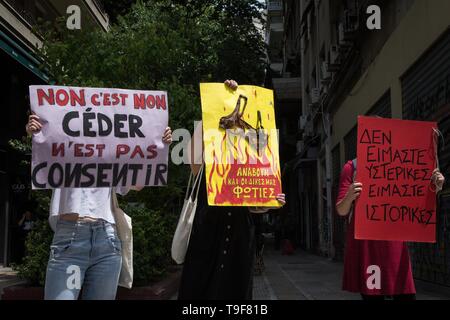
{"x": 354, "y": 191}
{"x": 344, "y": 206}
{"x": 33, "y": 125}
{"x": 167, "y": 136}
{"x": 437, "y": 179}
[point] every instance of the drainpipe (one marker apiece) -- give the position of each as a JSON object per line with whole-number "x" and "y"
{"x": 6, "y": 236}
{"x": 318, "y": 69}
{"x": 302, "y": 63}
{"x": 328, "y": 164}
{"x": 327, "y": 129}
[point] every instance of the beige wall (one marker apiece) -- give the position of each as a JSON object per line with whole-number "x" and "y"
{"x": 12, "y": 21}
{"x": 424, "y": 23}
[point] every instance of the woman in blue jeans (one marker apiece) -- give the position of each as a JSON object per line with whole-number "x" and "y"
{"x": 86, "y": 251}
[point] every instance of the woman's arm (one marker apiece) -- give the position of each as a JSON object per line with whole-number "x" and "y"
{"x": 349, "y": 191}
{"x": 344, "y": 206}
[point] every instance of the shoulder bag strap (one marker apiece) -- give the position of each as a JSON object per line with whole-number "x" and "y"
{"x": 354, "y": 162}
{"x": 197, "y": 183}
{"x": 186, "y": 196}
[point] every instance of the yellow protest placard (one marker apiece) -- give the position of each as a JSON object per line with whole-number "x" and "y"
{"x": 240, "y": 145}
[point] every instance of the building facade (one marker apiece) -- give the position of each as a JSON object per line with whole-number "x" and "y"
{"x": 19, "y": 68}
{"x": 401, "y": 71}
{"x": 286, "y": 84}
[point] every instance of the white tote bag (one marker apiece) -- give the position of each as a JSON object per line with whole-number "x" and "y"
{"x": 125, "y": 234}
{"x": 182, "y": 234}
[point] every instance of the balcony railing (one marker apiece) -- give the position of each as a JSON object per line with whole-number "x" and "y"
{"x": 29, "y": 12}
{"x": 275, "y": 6}
{"x": 19, "y": 8}
{"x": 101, "y": 8}
{"x": 99, "y": 5}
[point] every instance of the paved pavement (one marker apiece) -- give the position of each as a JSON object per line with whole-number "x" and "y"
{"x": 8, "y": 277}
{"x": 304, "y": 276}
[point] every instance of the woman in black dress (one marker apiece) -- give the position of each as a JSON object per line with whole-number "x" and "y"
{"x": 219, "y": 260}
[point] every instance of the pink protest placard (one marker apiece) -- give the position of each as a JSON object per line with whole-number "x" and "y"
{"x": 98, "y": 137}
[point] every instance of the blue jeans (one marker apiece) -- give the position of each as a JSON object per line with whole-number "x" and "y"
{"x": 87, "y": 255}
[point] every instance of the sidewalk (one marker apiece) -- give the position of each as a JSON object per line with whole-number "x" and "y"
{"x": 304, "y": 276}
{"x": 8, "y": 277}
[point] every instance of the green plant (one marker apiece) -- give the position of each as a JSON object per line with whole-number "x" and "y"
{"x": 152, "y": 236}
{"x": 37, "y": 244}
{"x": 23, "y": 145}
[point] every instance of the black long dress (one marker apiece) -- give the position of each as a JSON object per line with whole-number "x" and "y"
{"x": 219, "y": 260}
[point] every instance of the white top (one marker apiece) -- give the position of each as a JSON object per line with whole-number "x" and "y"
{"x": 86, "y": 202}
{"x": 27, "y": 225}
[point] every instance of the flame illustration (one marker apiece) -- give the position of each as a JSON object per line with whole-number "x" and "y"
{"x": 237, "y": 153}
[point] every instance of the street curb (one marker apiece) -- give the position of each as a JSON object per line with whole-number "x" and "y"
{"x": 162, "y": 290}
{"x": 433, "y": 287}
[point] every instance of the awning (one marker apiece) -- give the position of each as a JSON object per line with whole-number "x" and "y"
{"x": 288, "y": 88}
{"x": 300, "y": 158}
{"x": 304, "y": 20}
{"x": 13, "y": 49}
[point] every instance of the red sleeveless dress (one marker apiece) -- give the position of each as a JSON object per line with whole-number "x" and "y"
{"x": 392, "y": 257}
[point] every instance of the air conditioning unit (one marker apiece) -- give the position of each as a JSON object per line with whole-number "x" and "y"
{"x": 315, "y": 96}
{"x": 302, "y": 122}
{"x": 333, "y": 63}
{"x": 300, "y": 146}
{"x": 303, "y": 44}
{"x": 334, "y": 54}
{"x": 309, "y": 129}
{"x": 343, "y": 41}
{"x": 348, "y": 27}
{"x": 308, "y": 23}
{"x": 325, "y": 74}
{"x": 351, "y": 20}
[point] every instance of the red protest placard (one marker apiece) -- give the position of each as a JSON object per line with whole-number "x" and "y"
{"x": 396, "y": 159}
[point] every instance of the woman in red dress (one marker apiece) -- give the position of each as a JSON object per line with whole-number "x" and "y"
{"x": 392, "y": 257}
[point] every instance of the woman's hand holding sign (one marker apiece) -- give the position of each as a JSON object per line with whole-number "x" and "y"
{"x": 167, "y": 136}
{"x": 354, "y": 191}
{"x": 281, "y": 199}
{"x": 33, "y": 125}
{"x": 437, "y": 179}
{"x": 232, "y": 84}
